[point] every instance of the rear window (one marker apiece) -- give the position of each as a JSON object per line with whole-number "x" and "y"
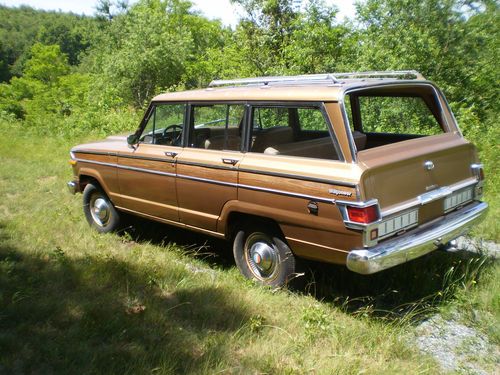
{"x": 382, "y": 115}
{"x": 397, "y": 114}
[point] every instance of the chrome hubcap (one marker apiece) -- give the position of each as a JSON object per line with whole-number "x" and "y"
{"x": 100, "y": 211}
{"x": 262, "y": 256}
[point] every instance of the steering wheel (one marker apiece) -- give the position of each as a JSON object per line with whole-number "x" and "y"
{"x": 174, "y": 138}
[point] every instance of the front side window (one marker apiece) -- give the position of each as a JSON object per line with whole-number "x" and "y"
{"x": 165, "y": 125}
{"x": 217, "y": 126}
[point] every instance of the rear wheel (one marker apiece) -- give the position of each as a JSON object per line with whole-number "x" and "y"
{"x": 262, "y": 255}
{"x": 98, "y": 209}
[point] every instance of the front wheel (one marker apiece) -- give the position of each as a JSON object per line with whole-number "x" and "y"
{"x": 262, "y": 255}
{"x": 98, "y": 209}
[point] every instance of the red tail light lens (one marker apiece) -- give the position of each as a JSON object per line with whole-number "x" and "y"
{"x": 363, "y": 215}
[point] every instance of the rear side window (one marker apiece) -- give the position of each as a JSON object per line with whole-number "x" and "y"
{"x": 270, "y": 117}
{"x": 397, "y": 114}
{"x": 311, "y": 119}
{"x": 292, "y": 131}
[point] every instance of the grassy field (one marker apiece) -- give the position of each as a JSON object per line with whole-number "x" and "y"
{"x": 159, "y": 300}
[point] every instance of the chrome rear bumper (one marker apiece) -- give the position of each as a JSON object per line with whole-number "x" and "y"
{"x": 417, "y": 242}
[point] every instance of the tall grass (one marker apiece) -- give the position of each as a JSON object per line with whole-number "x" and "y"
{"x": 163, "y": 300}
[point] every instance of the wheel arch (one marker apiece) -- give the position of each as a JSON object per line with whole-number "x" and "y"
{"x": 86, "y": 176}
{"x": 235, "y": 214}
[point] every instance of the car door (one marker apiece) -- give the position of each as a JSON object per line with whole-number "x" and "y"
{"x": 207, "y": 169}
{"x": 147, "y": 171}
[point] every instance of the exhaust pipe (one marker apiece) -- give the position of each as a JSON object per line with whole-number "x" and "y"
{"x": 450, "y": 247}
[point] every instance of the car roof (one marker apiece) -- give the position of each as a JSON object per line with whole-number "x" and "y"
{"x": 316, "y": 87}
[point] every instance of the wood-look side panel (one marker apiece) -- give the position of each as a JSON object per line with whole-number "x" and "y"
{"x": 105, "y": 174}
{"x": 142, "y": 187}
{"x": 292, "y": 214}
{"x": 289, "y": 185}
{"x": 209, "y": 172}
{"x": 96, "y": 157}
{"x": 201, "y": 202}
{"x": 316, "y": 252}
{"x": 322, "y": 236}
{"x": 167, "y": 166}
{"x": 302, "y": 168}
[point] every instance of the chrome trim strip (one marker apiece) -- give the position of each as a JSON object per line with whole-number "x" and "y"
{"x": 316, "y": 244}
{"x": 302, "y": 178}
{"x": 361, "y": 204}
{"x": 90, "y": 152}
{"x": 347, "y": 128}
{"x": 97, "y": 162}
{"x": 434, "y": 195}
{"x": 209, "y": 181}
{"x": 211, "y": 166}
{"x": 287, "y": 193}
{"x": 416, "y": 243}
{"x": 150, "y": 171}
{"x": 416, "y": 202}
{"x": 165, "y": 160}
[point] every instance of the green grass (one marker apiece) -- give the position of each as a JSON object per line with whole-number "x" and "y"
{"x": 161, "y": 300}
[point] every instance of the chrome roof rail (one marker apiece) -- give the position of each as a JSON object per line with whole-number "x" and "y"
{"x": 283, "y": 80}
{"x": 398, "y": 74}
{"x": 324, "y": 79}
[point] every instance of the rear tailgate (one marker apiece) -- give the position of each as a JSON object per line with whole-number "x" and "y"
{"x": 395, "y": 174}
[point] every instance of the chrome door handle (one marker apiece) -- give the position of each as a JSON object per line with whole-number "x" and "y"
{"x": 171, "y": 154}
{"x": 230, "y": 161}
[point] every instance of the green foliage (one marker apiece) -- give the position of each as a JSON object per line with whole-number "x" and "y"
{"x": 51, "y": 99}
{"x": 47, "y": 64}
{"x": 152, "y": 47}
{"x": 22, "y": 27}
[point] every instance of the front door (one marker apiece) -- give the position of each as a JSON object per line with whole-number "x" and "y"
{"x": 207, "y": 170}
{"x": 147, "y": 173}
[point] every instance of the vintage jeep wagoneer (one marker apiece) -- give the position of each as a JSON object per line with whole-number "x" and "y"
{"x": 364, "y": 169}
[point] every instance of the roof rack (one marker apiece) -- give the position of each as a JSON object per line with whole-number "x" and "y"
{"x": 326, "y": 78}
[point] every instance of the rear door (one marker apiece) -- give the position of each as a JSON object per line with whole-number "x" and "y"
{"x": 207, "y": 170}
{"x": 414, "y": 149}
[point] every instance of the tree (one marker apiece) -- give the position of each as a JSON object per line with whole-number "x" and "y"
{"x": 152, "y": 46}
{"x": 46, "y": 64}
{"x": 444, "y": 39}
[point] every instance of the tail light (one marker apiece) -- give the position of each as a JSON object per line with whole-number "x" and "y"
{"x": 363, "y": 215}
{"x": 478, "y": 171}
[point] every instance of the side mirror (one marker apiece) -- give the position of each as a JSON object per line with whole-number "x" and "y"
{"x": 132, "y": 139}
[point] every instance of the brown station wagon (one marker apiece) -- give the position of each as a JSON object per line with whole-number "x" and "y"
{"x": 365, "y": 169}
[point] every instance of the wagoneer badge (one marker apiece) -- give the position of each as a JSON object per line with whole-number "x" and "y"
{"x": 340, "y": 192}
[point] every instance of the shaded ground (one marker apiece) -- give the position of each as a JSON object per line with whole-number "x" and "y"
{"x": 406, "y": 290}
